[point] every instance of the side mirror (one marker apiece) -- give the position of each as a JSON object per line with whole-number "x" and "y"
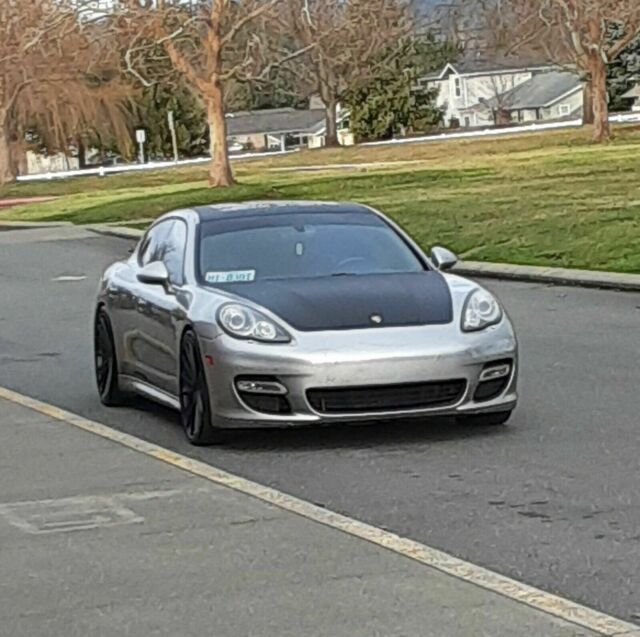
{"x": 155, "y": 273}
{"x": 442, "y": 258}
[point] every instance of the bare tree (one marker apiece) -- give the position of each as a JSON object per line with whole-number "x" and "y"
{"x": 501, "y": 86}
{"x": 211, "y": 44}
{"x": 56, "y": 79}
{"x": 347, "y": 42}
{"x": 589, "y": 34}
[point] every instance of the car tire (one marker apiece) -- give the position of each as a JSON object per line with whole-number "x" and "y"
{"x": 485, "y": 420}
{"x": 106, "y": 362}
{"x": 195, "y": 404}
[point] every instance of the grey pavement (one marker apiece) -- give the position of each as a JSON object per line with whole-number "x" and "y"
{"x": 551, "y": 500}
{"x": 97, "y": 539}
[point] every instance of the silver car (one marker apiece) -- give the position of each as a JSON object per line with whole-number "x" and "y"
{"x": 286, "y": 314}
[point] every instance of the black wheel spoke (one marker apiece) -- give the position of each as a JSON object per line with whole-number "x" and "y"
{"x": 104, "y": 355}
{"x": 106, "y": 362}
{"x": 188, "y": 367}
{"x": 193, "y": 399}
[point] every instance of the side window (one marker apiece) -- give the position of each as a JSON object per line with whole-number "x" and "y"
{"x": 150, "y": 250}
{"x": 166, "y": 242}
{"x": 173, "y": 249}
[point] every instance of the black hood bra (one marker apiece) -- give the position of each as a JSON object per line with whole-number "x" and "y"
{"x": 354, "y": 302}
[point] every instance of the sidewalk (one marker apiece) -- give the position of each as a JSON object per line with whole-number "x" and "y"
{"x": 98, "y": 539}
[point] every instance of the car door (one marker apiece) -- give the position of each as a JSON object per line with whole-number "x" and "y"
{"x": 161, "y": 310}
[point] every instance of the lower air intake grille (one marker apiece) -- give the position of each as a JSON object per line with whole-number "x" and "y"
{"x": 266, "y": 404}
{"x": 376, "y": 398}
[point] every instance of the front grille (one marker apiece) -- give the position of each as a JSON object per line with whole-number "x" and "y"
{"x": 379, "y": 398}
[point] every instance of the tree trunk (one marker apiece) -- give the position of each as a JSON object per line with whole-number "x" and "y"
{"x": 7, "y": 165}
{"x": 220, "y": 173}
{"x": 82, "y": 154}
{"x": 588, "y": 117}
{"x": 331, "y": 121}
{"x": 21, "y": 159}
{"x": 601, "y": 127}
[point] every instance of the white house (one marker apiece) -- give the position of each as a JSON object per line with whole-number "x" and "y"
{"x": 634, "y": 96}
{"x": 39, "y": 163}
{"x": 479, "y": 94}
{"x": 552, "y": 95}
{"x": 282, "y": 128}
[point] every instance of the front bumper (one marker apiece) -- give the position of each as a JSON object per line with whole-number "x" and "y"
{"x": 357, "y": 358}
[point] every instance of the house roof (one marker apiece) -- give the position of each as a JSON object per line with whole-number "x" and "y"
{"x": 633, "y": 93}
{"x": 274, "y": 121}
{"x": 541, "y": 91}
{"x": 485, "y": 67}
{"x": 321, "y": 127}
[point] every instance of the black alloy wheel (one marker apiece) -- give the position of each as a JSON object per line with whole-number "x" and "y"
{"x": 106, "y": 364}
{"x": 195, "y": 406}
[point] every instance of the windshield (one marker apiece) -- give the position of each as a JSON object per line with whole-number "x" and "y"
{"x": 286, "y": 246}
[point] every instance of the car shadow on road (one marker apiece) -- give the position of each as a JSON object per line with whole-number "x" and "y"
{"x": 391, "y": 433}
{"x": 357, "y": 436}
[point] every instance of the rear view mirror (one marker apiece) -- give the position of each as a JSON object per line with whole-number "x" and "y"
{"x": 442, "y": 258}
{"x": 155, "y": 273}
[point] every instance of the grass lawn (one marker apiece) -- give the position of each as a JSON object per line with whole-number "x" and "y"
{"x": 544, "y": 199}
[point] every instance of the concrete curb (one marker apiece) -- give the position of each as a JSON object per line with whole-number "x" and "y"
{"x": 526, "y": 273}
{"x": 30, "y": 225}
{"x": 116, "y": 231}
{"x": 555, "y": 276}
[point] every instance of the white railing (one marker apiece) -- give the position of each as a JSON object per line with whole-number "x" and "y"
{"x": 101, "y": 171}
{"x": 489, "y": 132}
{"x": 625, "y": 117}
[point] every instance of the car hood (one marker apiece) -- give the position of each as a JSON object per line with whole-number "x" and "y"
{"x": 350, "y": 302}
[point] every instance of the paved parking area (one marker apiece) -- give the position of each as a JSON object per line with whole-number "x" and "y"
{"x": 98, "y": 539}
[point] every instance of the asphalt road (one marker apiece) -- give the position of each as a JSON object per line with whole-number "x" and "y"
{"x": 552, "y": 500}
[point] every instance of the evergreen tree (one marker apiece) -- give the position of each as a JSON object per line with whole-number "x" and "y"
{"x": 393, "y": 101}
{"x": 192, "y": 134}
{"x": 624, "y": 72}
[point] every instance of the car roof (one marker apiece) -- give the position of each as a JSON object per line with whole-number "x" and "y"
{"x": 252, "y": 208}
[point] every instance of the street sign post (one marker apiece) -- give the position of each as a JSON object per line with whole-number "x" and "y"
{"x": 141, "y": 138}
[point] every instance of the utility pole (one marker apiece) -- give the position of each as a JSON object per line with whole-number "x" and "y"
{"x": 174, "y": 141}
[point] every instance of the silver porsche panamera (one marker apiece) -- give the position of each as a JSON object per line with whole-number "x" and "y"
{"x": 278, "y": 314}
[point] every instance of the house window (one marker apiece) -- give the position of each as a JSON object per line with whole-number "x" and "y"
{"x": 458, "y": 87}
{"x": 564, "y": 109}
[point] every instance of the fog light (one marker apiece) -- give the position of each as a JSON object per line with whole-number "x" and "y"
{"x": 256, "y": 386}
{"x": 493, "y": 372}
{"x": 264, "y": 394}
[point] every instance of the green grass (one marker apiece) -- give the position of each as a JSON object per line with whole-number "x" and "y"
{"x": 549, "y": 199}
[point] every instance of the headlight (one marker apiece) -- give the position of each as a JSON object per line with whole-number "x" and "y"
{"x": 480, "y": 311}
{"x": 244, "y": 322}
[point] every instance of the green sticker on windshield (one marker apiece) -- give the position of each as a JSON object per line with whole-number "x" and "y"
{"x": 233, "y": 276}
